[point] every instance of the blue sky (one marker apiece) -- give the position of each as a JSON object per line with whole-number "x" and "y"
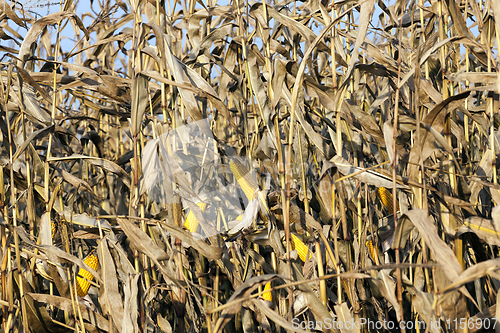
{"x": 43, "y": 7}
{"x": 40, "y": 8}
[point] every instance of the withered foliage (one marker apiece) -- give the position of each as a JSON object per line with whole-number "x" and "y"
{"x": 249, "y": 166}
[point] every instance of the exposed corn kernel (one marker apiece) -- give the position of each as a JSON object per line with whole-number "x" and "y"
{"x": 244, "y": 179}
{"x": 84, "y": 277}
{"x": 192, "y": 222}
{"x": 369, "y": 244}
{"x": 386, "y": 198}
{"x": 53, "y": 229}
{"x": 268, "y": 296}
{"x": 372, "y": 251}
{"x": 301, "y": 248}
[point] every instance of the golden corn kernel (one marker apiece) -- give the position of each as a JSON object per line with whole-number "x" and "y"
{"x": 301, "y": 248}
{"x": 83, "y": 277}
{"x": 385, "y": 197}
{"x": 268, "y": 296}
{"x": 244, "y": 178}
{"x": 369, "y": 244}
{"x": 372, "y": 251}
{"x": 53, "y": 229}
{"x": 192, "y": 222}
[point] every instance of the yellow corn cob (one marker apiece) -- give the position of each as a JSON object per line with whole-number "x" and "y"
{"x": 268, "y": 296}
{"x": 82, "y": 285}
{"x": 372, "y": 251}
{"x": 53, "y": 228}
{"x": 244, "y": 178}
{"x": 191, "y": 221}
{"x": 301, "y": 248}
{"x": 369, "y": 244}
{"x": 386, "y": 197}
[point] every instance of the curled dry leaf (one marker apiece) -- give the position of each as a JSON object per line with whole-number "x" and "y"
{"x": 365, "y": 176}
{"x": 140, "y": 101}
{"x": 142, "y": 241}
{"x": 435, "y": 120}
{"x": 485, "y": 229}
{"x": 110, "y": 292}
{"x": 37, "y": 28}
{"x": 100, "y": 162}
{"x": 441, "y": 251}
{"x": 473, "y": 273}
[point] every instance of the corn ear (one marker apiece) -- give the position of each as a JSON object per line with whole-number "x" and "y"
{"x": 373, "y": 251}
{"x": 53, "y": 229}
{"x": 385, "y": 197}
{"x": 301, "y": 248}
{"x": 244, "y": 179}
{"x": 192, "y": 222}
{"x": 84, "y": 277}
{"x": 369, "y": 244}
{"x": 268, "y": 296}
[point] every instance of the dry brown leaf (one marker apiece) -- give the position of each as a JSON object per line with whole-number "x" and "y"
{"x": 110, "y": 292}
{"x": 366, "y": 176}
{"x": 37, "y": 28}
{"x": 441, "y": 251}
{"x": 140, "y": 240}
{"x": 435, "y": 120}
{"x": 473, "y": 273}
{"x": 100, "y": 162}
{"x": 485, "y": 229}
{"x": 140, "y": 101}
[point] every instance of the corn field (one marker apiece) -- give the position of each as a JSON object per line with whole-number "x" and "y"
{"x": 192, "y": 166}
